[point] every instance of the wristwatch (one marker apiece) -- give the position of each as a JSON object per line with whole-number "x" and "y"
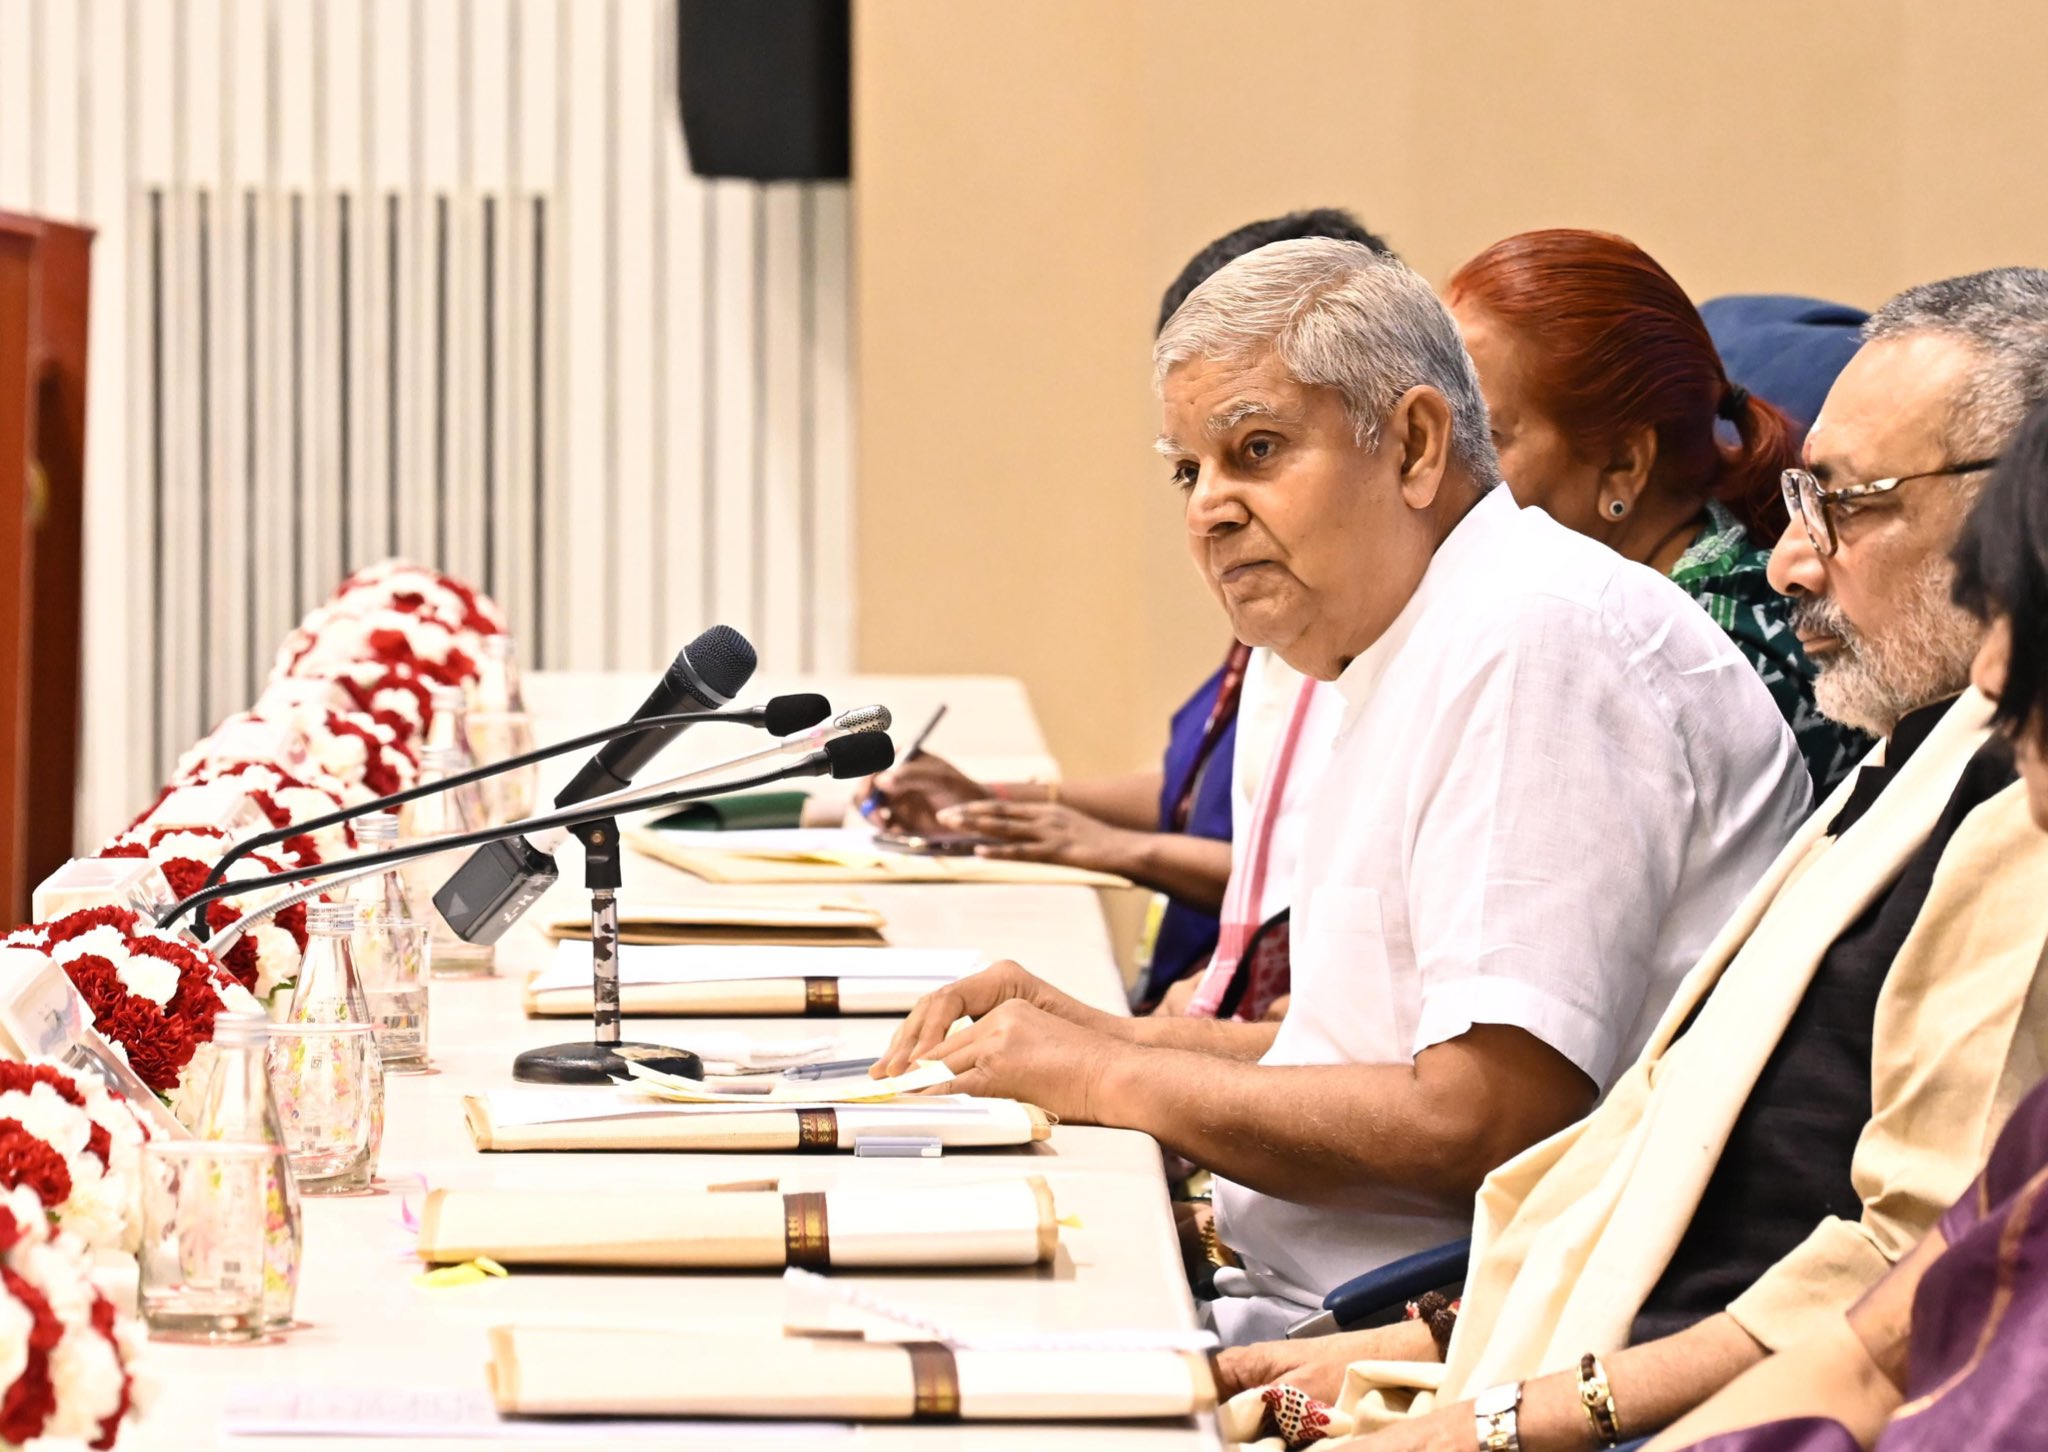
{"x": 1493, "y": 1415}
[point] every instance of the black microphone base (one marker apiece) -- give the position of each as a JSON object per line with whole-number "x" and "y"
{"x": 592, "y": 1063}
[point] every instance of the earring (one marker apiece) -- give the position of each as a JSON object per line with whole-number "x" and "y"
{"x": 1616, "y": 508}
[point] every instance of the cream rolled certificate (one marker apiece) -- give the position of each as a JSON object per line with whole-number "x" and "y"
{"x": 514, "y": 1120}
{"x": 547, "y": 1371}
{"x": 683, "y": 981}
{"x": 1006, "y": 1223}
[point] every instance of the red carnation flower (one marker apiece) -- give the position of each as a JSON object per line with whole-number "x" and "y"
{"x": 26, "y": 1160}
{"x": 158, "y": 1047}
{"x": 103, "y": 1322}
{"x": 22, "y": 1078}
{"x": 75, "y": 924}
{"x": 27, "y": 1405}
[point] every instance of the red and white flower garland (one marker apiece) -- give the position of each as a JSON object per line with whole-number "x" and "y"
{"x": 155, "y": 994}
{"x": 66, "y": 1355}
{"x": 285, "y": 797}
{"x": 267, "y": 957}
{"x": 77, "y": 1146}
{"x": 418, "y": 590}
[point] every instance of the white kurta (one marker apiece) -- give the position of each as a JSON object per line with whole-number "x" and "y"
{"x": 1554, "y": 778}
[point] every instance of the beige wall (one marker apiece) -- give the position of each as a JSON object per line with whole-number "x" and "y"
{"x": 1030, "y": 176}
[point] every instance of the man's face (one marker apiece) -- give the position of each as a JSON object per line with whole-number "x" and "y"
{"x": 1876, "y": 616}
{"x": 1300, "y": 531}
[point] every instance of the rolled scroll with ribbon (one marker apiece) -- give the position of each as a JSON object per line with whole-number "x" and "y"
{"x": 497, "y": 1121}
{"x": 1008, "y": 1223}
{"x": 549, "y": 1371}
{"x": 694, "y": 980}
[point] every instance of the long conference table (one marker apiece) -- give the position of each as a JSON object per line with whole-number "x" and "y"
{"x": 372, "y": 1338}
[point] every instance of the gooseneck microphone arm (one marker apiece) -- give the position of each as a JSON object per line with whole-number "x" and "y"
{"x": 738, "y": 715}
{"x": 818, "y": 763}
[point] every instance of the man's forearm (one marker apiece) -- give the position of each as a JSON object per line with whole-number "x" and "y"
{"x": 1225, "y": 1038}
{"x": 1308, "y": 1133}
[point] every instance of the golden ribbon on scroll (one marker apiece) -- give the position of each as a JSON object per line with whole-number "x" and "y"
{"x": 821, "y": 997}
{"x": 817, "y": 1129}
{"x": 935, "y": 1382}
{"x": 806, "y": 1239}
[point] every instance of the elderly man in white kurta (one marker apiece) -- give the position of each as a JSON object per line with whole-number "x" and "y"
{"x": 1553, "y": 780}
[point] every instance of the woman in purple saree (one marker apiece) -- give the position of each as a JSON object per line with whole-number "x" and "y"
{"x": 1949, "y": 1351}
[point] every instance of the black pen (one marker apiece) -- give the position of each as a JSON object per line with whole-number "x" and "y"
{"x": 838, "y": 1069}
{"x": 873, "y": 799}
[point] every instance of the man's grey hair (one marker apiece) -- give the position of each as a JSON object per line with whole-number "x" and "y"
{"x": 2003, "y": 316}
{"x": 1338, "y": 315}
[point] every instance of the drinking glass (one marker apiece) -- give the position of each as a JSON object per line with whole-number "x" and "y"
{"x": 392, "y": 958}
{"x": 203, "y": 1224}
{"x": 329, "y": 1080}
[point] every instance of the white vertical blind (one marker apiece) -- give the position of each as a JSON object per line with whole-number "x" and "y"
{"x": 428, "y": 277}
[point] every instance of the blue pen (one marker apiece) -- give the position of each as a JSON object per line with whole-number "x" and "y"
{"x": 873, "y": 800}
{"x": 838, "y": 1069}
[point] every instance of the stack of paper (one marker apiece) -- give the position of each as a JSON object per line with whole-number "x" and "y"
{"x": 833, "y": 854}
{"x": 724, "y": 982}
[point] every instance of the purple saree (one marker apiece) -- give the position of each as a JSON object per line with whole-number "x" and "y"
{"x": 1979, "y": 1365}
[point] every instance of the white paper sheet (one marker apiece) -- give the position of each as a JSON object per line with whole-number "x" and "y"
{"x": 694, "y": 963}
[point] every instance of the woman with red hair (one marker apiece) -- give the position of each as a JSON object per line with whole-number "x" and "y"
{"x": 1607, "y": 400}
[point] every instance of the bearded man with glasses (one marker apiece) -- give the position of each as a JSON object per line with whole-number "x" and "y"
{"x": 1829, "y": 1077}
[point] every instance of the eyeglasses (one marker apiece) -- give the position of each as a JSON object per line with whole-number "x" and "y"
{"x": 1807, "y": 501}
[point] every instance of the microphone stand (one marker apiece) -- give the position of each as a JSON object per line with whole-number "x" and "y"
{"x": 743, "y": 715}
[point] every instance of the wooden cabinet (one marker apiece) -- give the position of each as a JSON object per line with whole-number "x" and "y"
{"x": 45, "y": 286}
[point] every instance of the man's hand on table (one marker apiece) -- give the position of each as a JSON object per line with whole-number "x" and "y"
{"x": 1027, "y": 1041}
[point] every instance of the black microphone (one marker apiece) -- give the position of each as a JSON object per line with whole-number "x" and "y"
{"x": 780, "y": 716}
{"x": 493, "y": 889}
{"x": 849, "y": 758}
{"x": 845, "y": 758}
{"x": 706, "y": 675}
{"x": 787, "y": 715}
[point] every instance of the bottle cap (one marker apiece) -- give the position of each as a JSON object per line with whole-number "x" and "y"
{"x": 377, "y": 827}
{"x": 446, "y": 760}
{"x": 240, "y": 1028}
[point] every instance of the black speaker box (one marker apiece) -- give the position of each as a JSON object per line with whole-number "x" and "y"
{"x": 766, "y": 88}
